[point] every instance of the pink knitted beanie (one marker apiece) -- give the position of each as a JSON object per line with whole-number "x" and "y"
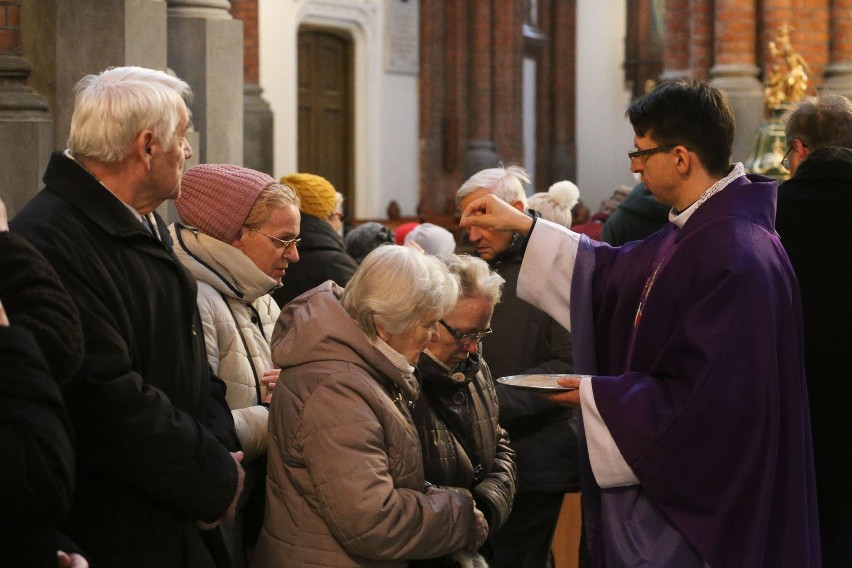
{"x": 217, "y": 198}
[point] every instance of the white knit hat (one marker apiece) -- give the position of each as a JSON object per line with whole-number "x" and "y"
{"x": 433, "y": 239}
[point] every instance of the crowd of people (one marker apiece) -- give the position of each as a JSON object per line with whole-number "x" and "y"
{"x": 250, "y": 386}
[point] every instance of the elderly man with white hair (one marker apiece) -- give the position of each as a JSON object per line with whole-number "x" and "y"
{"x": 525, "y": 340}
{"x": 153, "y": 431}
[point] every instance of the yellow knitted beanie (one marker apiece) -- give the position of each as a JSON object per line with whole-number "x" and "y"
{"x": 315, "y": 192}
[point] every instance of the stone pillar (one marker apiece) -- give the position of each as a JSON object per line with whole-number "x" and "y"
{"x": 480, "y": 152}
{"x": 838, "y": 74}
{"x": 58, "y": 37}
{"x": 676, "y": 47}
{"x": 701, "y": 39}
{"x": 735, "y": 71}
{"x": 205, "y": 50}
{"x": 26, "y": 127}
{"x": 257, "y": 114}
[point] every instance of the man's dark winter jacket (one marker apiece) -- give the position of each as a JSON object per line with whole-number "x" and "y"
{"x": 149, "y": 417}
{"x": 322, "y": 257}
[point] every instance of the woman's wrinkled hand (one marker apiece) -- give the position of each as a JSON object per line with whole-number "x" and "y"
{"x": 270, "y": 381}
{"x": 479, "y": 532}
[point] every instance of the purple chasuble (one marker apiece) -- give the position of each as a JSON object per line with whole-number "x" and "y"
{"x": 710, "y": 411}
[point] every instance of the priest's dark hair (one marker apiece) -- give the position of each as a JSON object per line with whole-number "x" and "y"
{"x": 688, "y": 113}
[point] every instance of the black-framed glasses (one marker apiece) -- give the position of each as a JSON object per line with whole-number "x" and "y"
{"x": 647, "y": 152}
{"x": 466, "y": 338}
{"x": 785, "y": 161}
{"x": 282, "y": 244}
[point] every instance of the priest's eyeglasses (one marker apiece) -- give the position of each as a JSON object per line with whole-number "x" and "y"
{"x": 466, "y": 338}
{"x": 647, "y": 152}
{"x": 281, "y": 244}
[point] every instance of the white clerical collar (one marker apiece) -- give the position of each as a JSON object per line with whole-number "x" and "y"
{"x": 681, "y": 218}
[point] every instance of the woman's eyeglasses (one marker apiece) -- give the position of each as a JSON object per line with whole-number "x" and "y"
{"x": 282, "y": 244}
{"x": 466, "y": 338}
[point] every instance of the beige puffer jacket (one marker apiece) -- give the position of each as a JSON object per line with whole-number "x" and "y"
{"x": 238, "y": 316}
{"x": 345, "y": 480}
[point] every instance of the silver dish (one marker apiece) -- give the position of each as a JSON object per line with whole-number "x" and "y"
{"x": 537, "y": 382}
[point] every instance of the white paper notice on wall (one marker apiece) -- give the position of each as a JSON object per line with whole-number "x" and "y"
{"x": 402, "y": 37}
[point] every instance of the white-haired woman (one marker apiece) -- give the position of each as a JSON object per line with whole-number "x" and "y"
{"x": 463, "y": 445}
{"x": 346, "y": 484}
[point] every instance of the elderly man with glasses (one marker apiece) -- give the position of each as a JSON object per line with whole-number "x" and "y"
{"x": 525, "y": 341}
{"x": 695, "y": 405}
{"x": 813, "y": 211}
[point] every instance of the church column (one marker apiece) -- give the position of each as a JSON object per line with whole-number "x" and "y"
{"x": 735, "y": 70}
{"x": 561, "y": 59}
{"x": 676, "y": 43}
{"x": 26, "y": 127}
{"x": 838, "y": 74}
{"x": 205, "y": 50}
{"x": 480, "y": 152}
{"x": 127, "y": 32}
{"x": 507, "y": 78}
{"x": 257, "y": 114}
{"x": 701, "y": 39}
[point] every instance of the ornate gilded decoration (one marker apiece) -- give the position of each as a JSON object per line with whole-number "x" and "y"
{"x": 789, "y": 86}
{"x": 786, "y": 83}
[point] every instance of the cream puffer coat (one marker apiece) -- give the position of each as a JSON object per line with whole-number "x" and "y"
{"x": 345, "y": 478}
{"x": 238, "y": 316}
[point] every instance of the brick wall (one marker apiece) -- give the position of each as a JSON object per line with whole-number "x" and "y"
{"x": 841, "y": 31}
{"x": 701, "y": 39}
{"x": 471, "y": 88}
{"x": 703, "y": 33}
{"x": 246, "y": 10}
{"x": 677, "y": 39}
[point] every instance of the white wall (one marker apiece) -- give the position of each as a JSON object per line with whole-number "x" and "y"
{"x": 385, "y": 105}
{"x": 604, "y": 135}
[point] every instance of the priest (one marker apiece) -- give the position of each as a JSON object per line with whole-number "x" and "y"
{"x": 695, "y": 410}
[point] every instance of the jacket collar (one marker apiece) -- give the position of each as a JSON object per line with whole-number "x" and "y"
{"x": 81, "y": 190}
{"x": 220, "y": 265}
{"x": 436, "y": 373}
{"x": 319, "y": 235}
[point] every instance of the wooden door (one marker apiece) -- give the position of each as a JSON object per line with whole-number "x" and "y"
{"x": 325, "y": 109}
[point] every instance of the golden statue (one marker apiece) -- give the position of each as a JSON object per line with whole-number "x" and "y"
{"x": 785, "y": 87}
